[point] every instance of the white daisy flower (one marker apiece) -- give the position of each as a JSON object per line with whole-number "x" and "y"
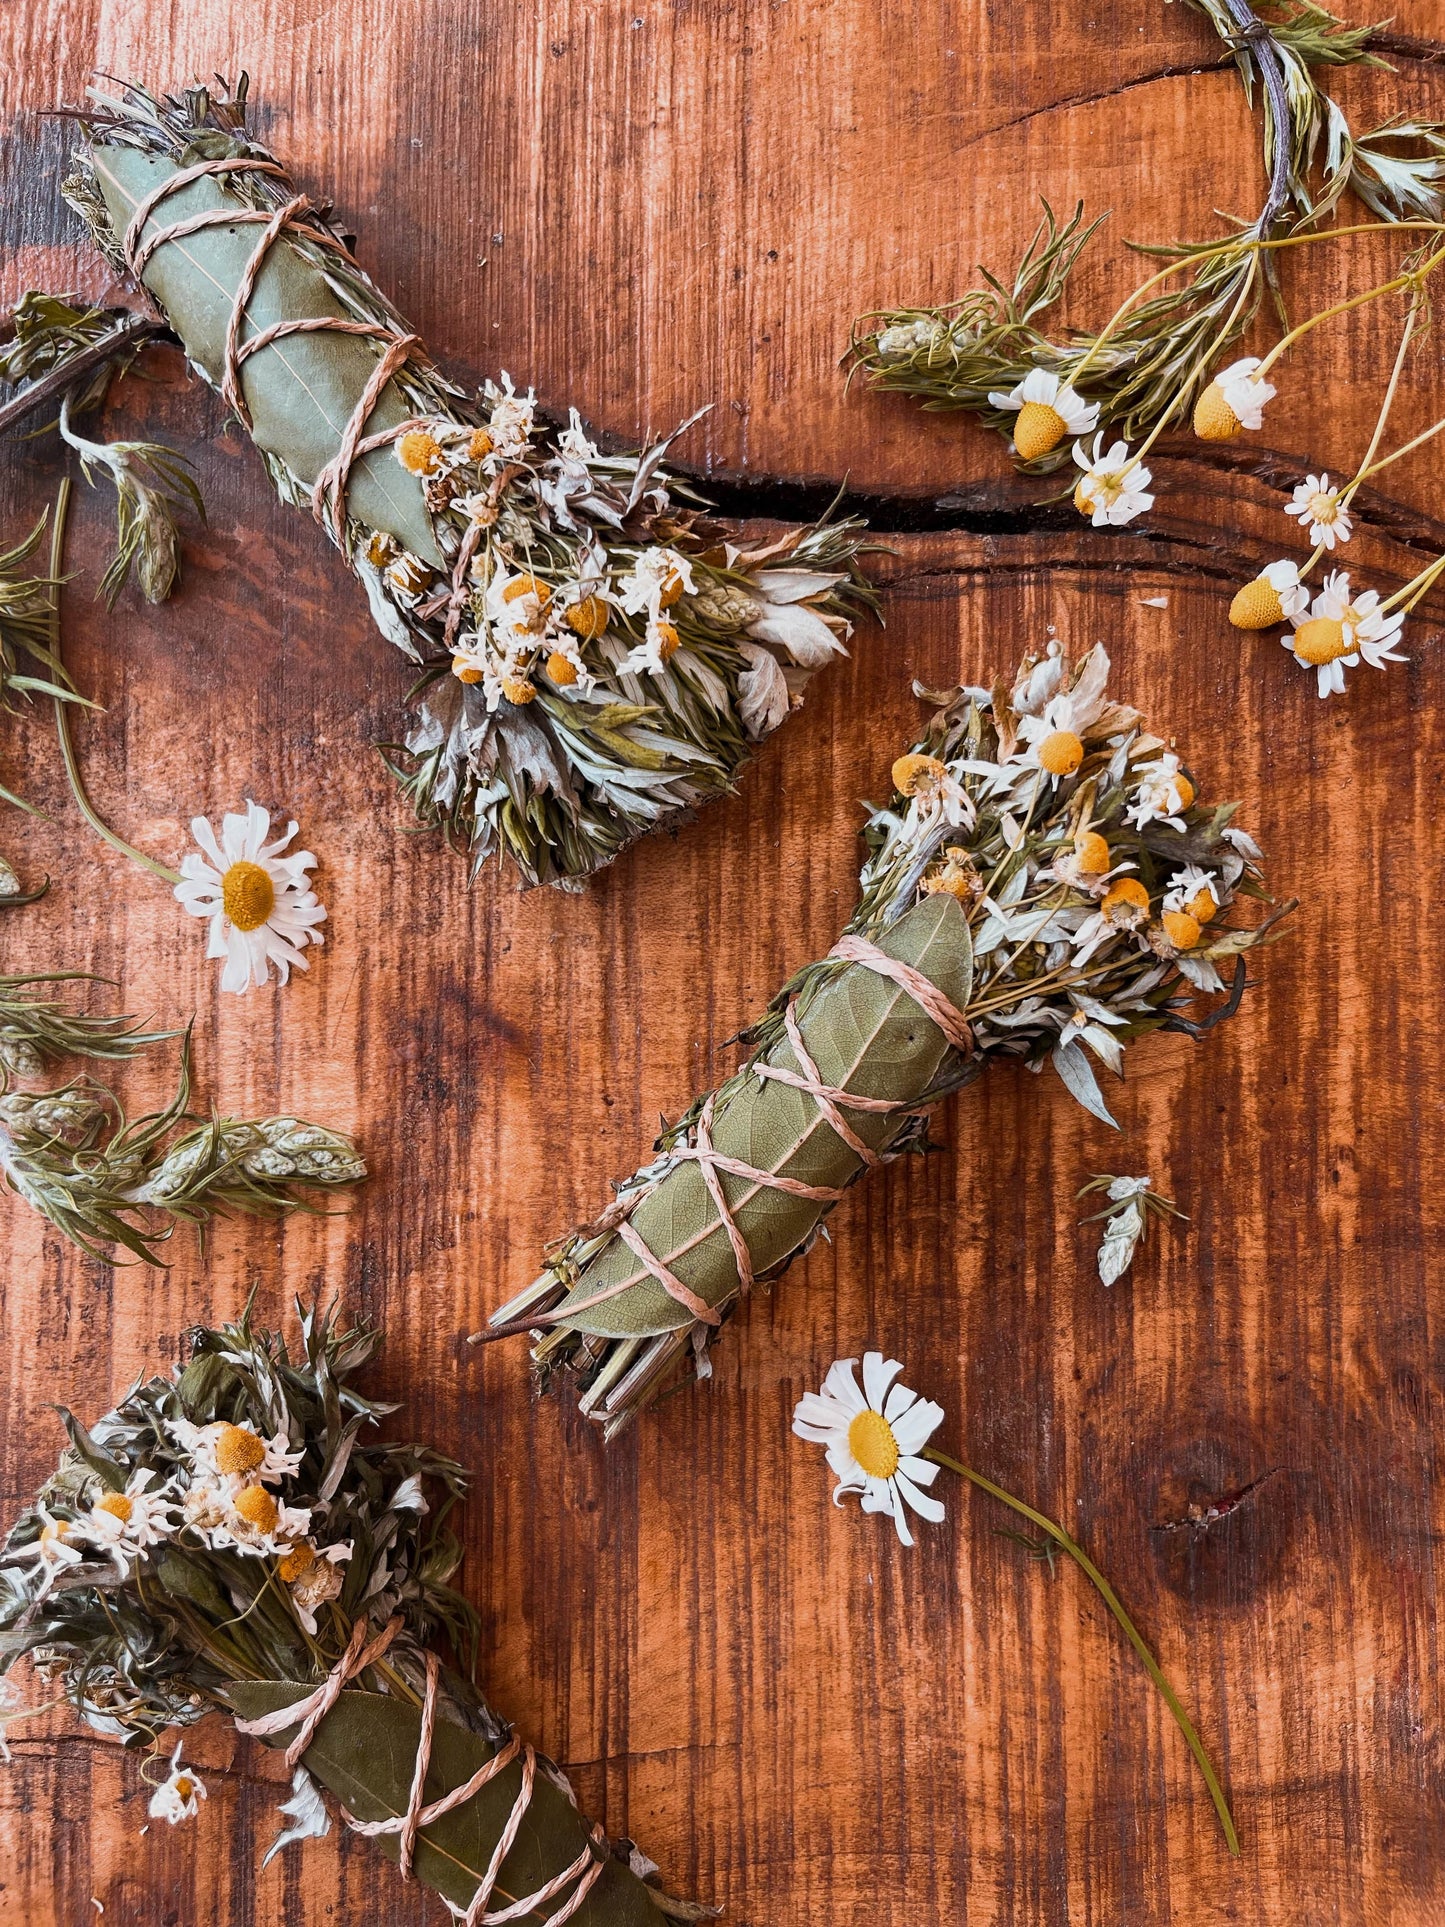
{"x": 1164, "y": 792}
{"x": 873, "y": 1438}
{"x": 179, "y": 1795}
{"x": 1047, "y": 411}
{"x": 511, "y": 420}
{"x": 1113, "y": 487}
{"x": 1341, "y": 629}
{"x": 1123, "y": 910}
{"x": 313, "y": 1576}
{"x": 658, "y": 578}
{"x": 1317, "y": 507}
{"x": 53, "y": 1552}
{"x": 125, "y": 1524}
{"x": 1244, "y": 393}
{"x": 260, "y": 904}
{"x": 1055, "y": 737}
{"x": 1283, "y": 578}
{"x": 1195, "y": 891}
{"x": 236, "y": 1454}
{"x": 934, "y": 792}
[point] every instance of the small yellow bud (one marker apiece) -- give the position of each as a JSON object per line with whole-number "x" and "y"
{"x": 668, "y": 640}
{"x": 1128, "y": 891}
{"x": 1091, "y": 853}
{"x": 418, "y": 452}
{"x": 1181, "y": 929}
{"x": 1256, "y": 606}
{"x": 1038, "y": 429}
{"x": 561, "y": 669}
{"x": 517, "y": 689}
{"x": 300, "y": 1559}
{"x": 527, "y": 585}
{"x": 465, "y": 671}
{"x": 1061, "y": 753}
{"x": 1201, "y": 906}
{"x": 587, "y": 618}
{"x": 480, "y": 445}
{"x": 1214, "y": 419}
{"x": 257, "y": 1508}
{"x": 670, "y": 593}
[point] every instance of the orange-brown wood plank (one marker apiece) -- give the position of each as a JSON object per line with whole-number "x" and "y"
{"x": 796, "y": 1718}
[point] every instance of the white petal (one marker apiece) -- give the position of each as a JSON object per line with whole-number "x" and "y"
{"x": 917, "y": 1425}
{"x": 923, "y": 1505}
{"x": 878, "y": 1374}
{"x": 841, "y": 1385}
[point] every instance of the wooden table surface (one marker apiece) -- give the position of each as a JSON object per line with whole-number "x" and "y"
{"x": 641, "y": 209}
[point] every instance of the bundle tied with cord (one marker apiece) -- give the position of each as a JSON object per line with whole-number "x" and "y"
{"x": 595, "y": 656}
{"x": 232, "y": 1539}
{"x": 1044, "y": 884}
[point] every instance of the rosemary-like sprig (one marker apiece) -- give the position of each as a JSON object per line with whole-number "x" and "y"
{"x": 1146, "y": 368}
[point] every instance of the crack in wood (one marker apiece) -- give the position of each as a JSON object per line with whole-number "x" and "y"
{"x": 1198, "y": 1518}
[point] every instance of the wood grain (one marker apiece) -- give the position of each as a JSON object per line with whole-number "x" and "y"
{"x": 796, "y": 1718}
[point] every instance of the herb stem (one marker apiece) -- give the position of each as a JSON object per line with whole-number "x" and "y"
{"x": 1112, "y": 1601}
{"x": 62, "y": 721}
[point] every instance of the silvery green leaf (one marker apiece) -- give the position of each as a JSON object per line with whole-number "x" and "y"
{"x": 1121, "y": 1237}
{"x": 762, "y": 691}
{"x": 1201, "y": 973}
{"x": 306, "y": 1810}
{"x": 1074, "y": 1068}
{"x": 1105, "y": 1046}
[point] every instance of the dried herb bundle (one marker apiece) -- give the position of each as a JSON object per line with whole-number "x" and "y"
{"x": 230, "y": 1538}
{"x": 1146, "y": 368}
{"x": 1043, "y": 885}
{"x": 27, "y": 612}
{"x": 595, "y": 654}
{"x": 73, "y": 1156}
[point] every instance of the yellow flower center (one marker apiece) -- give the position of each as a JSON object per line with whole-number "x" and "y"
{"x": 52, "y": 1534}
{"x": 248, "y": 895}
{"x": 1256, "y": 606}
{"x": 1201, "y": 905}
{"x": 1038, "y": 429}
{"x": 257, "y": 1508}
{"x": 465, "y": 671}
{"x": 1181, "y": 929}
{"x": 527, "y": 585}
{"x": 117, "y": 1505}
{"x": 1324, "y": 509}
{"x": 297, "y": 1562}
{"x": 480, "y": 445}
{"x": 1214, "y": 419}
{"x": 871, "y": 1441}
{"x": 587, "y": 618}
{"x": 238, "y": 1450}
{"x": 185, "y": 1786}
{"x": 1125, "y": 898}
{"x": 1091, "y": 853}
{"x": 561, "y": 669}
{"x": 1061, "y": 753}
{"x": 1184, "y": 789}
{"x": 518, "y": 690}
{"x": 668, "y": 640}
{"x": 917, "y": 775}
{"x": 418, "y": 452}
{"x": 1321, "y": 640}
{"x": 671, "y": 592}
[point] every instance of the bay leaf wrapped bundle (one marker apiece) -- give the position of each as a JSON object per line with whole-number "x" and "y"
{"x": 233, "y": 1539}
{"x": 1043, "y": 884}
{"x": 595, "y": 655}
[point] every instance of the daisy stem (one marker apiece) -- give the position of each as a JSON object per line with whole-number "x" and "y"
{"x": 1385, "y": 406}
{"x": 1414, "y": 278}
{"x": 1224, "y": 333}
{"x": 1112, "y": 1601}
{"x": 1414, "y": 591}
{"x": 62, "y": 721}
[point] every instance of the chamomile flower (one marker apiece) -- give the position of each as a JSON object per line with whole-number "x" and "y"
{"x": 933, "y": 791}
{"x": 1235, "y": 399}
{"x": 1162, "y": 794}
{"x": 1195, "y": 891}
{"x": 236, "y": 1454}
{"x": 1318, "y": 508}
{"x": 58, "y": 1546}
{"x": 1047, "y": 411}
{"x": 1340, "y": 630}
{"x": 1086, "y": 864}
{"x": 511, "y": 420}
{"x": 125, "y": 1524}
{"x": 873, "y": 1438}
{"x": 260, "y": 904}
{"x": 249, "y": 1520}
{"x": 313, "y": 1576}
{"x": 1275, "y": 595}
{"x": 1113, "y": 488}
{"x": 1123, "y": 909}
{"x": 179, "y": 1795}
{"x": 657, "y": 579}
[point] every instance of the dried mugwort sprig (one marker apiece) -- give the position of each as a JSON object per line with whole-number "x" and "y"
{"x": 60, "y": 350}
{"x": 235, "y": 1539}
{"x": 1132, "y": 1202}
